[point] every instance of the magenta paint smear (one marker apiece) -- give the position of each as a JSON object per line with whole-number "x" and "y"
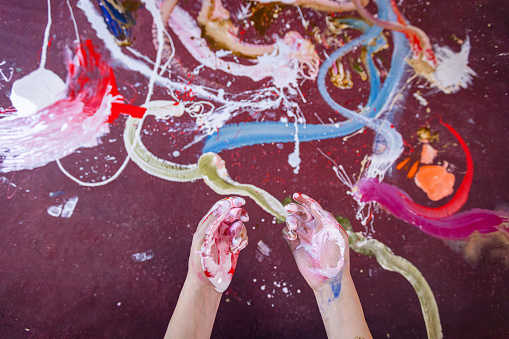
{"x": 455, "y": 227}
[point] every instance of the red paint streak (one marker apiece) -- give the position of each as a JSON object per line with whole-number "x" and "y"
{"x": 40, "y": 50}
{"x": 412, "y": 36}
{"x": 461, "y": 195}
{"x": 134, "y": 111}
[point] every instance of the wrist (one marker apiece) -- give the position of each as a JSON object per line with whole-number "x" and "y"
{"x": 201, "y": 285}
{"x": 332, "y": 289}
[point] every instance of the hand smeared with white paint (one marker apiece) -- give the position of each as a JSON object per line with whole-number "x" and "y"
{"x": 319, "y": 244}
{"x": 218, "y": 240}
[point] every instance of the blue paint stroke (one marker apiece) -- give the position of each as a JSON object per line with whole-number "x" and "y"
{"x": 265, "y": 132}
{"x": 118, "y": 19}
{"x": 335, "y": 285}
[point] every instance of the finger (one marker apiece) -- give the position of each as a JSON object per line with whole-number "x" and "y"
{"x": 237, "y": 201}
{"x": 304, "y": 199}
{"x": 291, "y": 238}
{"x": 239, "y": 241}
{"x": 236, "y": 228}
{"x": 293, "y": 223}
{"x": 216, "y": 215}
{"x": 237, "y": 213}
{"x": 300, "y": 211}
{"x": 318, "y": 212}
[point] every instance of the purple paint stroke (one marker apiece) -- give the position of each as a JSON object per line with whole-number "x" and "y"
{"x": 455, "y": 227}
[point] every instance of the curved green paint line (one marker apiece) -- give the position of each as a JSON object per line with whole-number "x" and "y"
{"x": 216, "y": 177}
{"x": 207, "y": 169}
{"x": 211, "y": 169}
{"x": 391, "y": 262}
{"x": 153, "y": 165}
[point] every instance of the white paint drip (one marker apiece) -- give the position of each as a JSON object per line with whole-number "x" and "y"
{"x": 46, "y": 38}
{"x": 74, "y": 22}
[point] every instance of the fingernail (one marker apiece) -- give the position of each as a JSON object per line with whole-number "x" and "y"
{"x": 244, "y": 217}
{"x": 291, "y": 235}
{"x": 238, "y": 201}
{"x": 236, "y": 241}
{"x": 292, "y": 225}
{"x": 305, "y": 196}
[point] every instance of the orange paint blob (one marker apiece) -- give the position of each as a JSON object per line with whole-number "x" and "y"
{"x": 435, "y": 181}
{"x": 428, "y": 154}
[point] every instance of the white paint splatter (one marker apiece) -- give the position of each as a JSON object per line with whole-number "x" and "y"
{"x": 143, "y": 256}
{"x": 55, "y": 211}
{"x": 69, "y": 207}
{"x": 452, "y": 72}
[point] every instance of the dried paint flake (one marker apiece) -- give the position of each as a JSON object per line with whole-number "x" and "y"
{"x": 143, "y": 256}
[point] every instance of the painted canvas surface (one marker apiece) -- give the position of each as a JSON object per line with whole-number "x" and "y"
{"x": 122, "y": 122}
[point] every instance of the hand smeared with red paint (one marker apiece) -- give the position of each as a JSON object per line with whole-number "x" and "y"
{"x": 319, "y": 244}
{"x": 218, "y": 240}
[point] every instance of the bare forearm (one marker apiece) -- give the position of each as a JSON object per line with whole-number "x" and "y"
{"x": 342, "y": 315}
{"x": 195, "y": 312}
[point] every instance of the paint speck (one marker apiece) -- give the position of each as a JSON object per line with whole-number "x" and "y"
{"x": 262, "y": 251}
{"x": 69, "y": 207}
{"x": 55, "y": 211}
{"x": 420, "y": 98}
{"x": 176, "y": 154}
{"x": 254, "y": 280}
{"x": 262, "y": 287}
{"x": 143, "y": 256}
{"x": 298, "y": 291}
{"x": 285, "y": 289}
{"x": 119, "y": 303}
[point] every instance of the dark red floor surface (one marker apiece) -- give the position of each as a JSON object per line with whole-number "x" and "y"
{"x": 75, "y": 277}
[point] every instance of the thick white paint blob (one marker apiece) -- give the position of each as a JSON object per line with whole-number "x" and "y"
{"x": 314, "y": 247}
{"x": 452, "y": 72}
{"x": 37, "y": 90}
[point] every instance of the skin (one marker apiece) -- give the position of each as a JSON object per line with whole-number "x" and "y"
{"x": 326, "y": 270}
{"x": 199, "y": 299}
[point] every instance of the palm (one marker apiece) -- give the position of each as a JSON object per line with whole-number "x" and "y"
{"x": 319, "y": 245}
